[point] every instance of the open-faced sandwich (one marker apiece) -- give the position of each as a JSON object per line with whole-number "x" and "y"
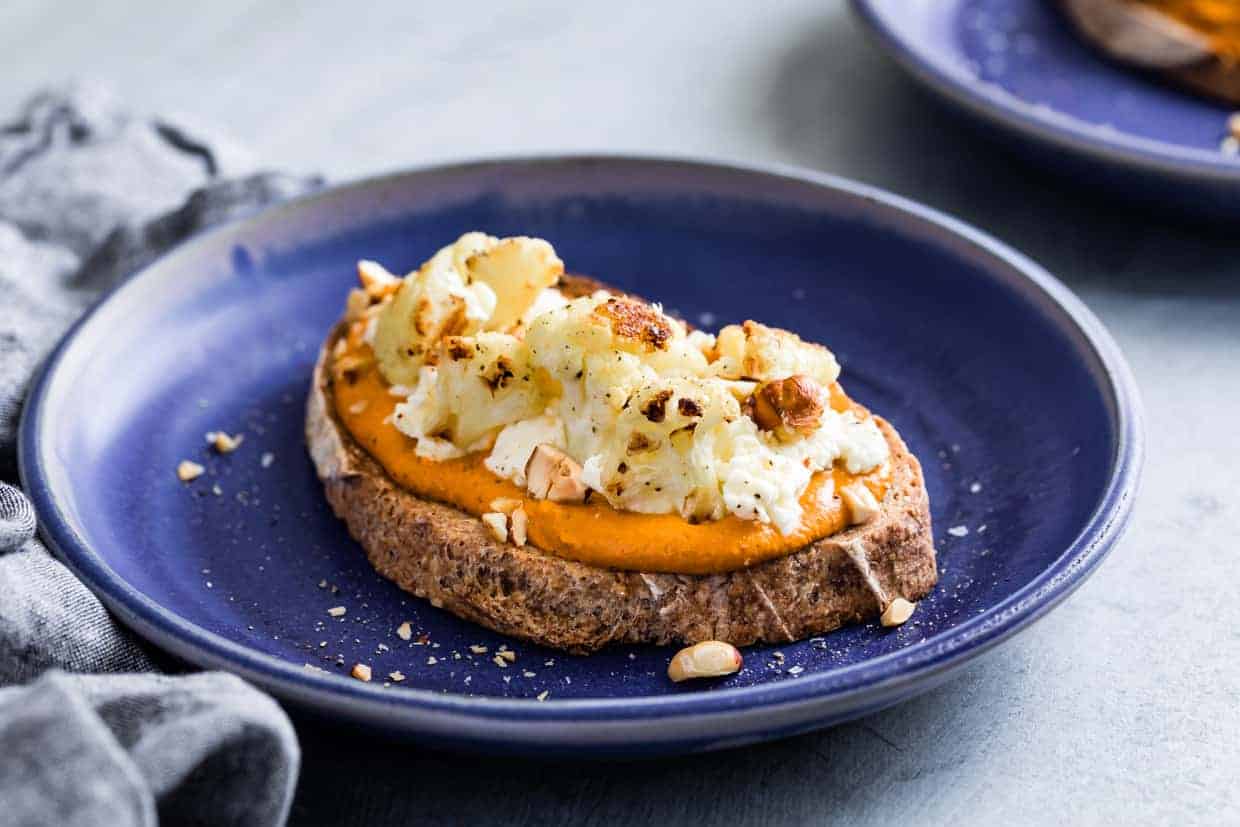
{"x": 1194, "y": 42}
{"x": 567, "y": 464}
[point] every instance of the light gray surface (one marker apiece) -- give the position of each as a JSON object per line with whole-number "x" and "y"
{"x": 1119, "y": 707}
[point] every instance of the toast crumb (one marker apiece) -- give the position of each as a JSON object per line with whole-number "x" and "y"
{"x": 396, "y": 676}
{"x": 404, "y": 631}
{"x": 188, "y": 471}
{"x": 361, "y": 671}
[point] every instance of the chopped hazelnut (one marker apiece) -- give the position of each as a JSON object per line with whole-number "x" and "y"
{"x": 223, "y": 442}
{"x": 897, "y": 612}
{"x": 708, "y": 659}
{"x": 862, "y": 504}
{"x": 787, "y": 406}
{"x": 187, "y": 471}
{"x": 498, "y": 524}
{"x": 519, "y": 524}
{"x": 551, "y": 474}
{"x": 505, "y": 505}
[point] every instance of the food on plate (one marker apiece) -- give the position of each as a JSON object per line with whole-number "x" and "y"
{"x": 708, "y": 659}
{"x": 568, "y": 464}
{"x": 1194, "y": 42}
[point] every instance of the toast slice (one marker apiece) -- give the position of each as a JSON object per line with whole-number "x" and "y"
{"x": 448, "y": 557}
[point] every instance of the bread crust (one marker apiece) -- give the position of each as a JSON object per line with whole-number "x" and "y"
{"x": 442, "y": 554}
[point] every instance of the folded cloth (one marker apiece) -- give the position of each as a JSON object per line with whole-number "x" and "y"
{"x": 144, "y": 750}
{"x": 88, "y": 193}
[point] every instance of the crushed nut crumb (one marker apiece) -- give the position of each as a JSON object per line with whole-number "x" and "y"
{"x": 519, "y": 523}
{"x": 478, "y": 649}
{"x": 361, "y": 671}
{"x": 224, "y": 443}
{"x": 404, "y": 631}
{"x": 266, "y": 459}
{"x": 542, "y": 696}
{"x": 396, "y": 677}
{"x": 337, "y": 611}
{"x": 498, "y": 523}
{"x": 499, "y": 661}
{"x": 187, "y": 471}
{"x": 897, "y": 612}
{"x": 508, "y": 655}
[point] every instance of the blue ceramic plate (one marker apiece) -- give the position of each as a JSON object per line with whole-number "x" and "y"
{"x": 1018, "y": 66}
{"x": 1015, "y": 398}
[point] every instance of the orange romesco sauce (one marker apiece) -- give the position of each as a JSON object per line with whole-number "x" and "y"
{"x": 594, "y": 532}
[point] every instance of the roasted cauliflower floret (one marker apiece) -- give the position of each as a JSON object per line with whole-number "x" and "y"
{"x": 756, "y": 352}
{"x": 478, "y": 385}
{"x": 432, "y": 302}
{"x": 654, "y": 460}
{"x": 517, "y": 270}
{"x": 561, "y": 339}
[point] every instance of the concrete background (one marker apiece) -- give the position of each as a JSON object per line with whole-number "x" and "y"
{"x": 1120, "y": 707}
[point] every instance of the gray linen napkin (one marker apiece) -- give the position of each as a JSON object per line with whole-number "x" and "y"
{"x": 88, "y": 193}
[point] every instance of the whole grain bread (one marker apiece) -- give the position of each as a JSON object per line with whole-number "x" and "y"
{"x": 450, "y": 558}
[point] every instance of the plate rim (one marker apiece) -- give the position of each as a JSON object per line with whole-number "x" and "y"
{"x": 592, "y": 721}
{"x": 991, "y": 103}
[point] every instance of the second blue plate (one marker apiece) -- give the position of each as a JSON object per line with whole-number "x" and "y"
{"x": 1017, "y": 67}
